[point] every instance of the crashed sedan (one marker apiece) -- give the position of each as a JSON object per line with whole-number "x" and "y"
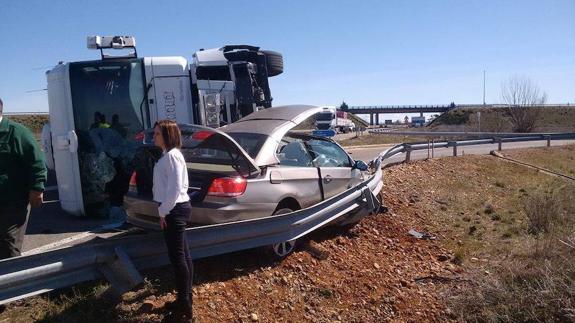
{"x": 253, "y": 168}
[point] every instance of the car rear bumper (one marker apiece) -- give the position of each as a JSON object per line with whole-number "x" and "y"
{"x": 144, "y": 213}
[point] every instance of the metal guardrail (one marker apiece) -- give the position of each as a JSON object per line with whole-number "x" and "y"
{"x": 119, "y": 260}
{"x": 386, "y": 131}
{"x": 407, "y": 148}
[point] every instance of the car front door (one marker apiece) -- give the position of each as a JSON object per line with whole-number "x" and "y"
{"x": 296, "y": 172}
{"x": 334, "y": 164}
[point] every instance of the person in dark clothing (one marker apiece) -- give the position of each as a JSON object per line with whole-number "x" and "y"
{"x": 118, "y": 126}
{"x": 170, "y": 190}
{"x": 22, "y": 177}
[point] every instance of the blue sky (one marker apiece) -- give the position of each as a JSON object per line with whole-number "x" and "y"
{"x": 363, "y": 52}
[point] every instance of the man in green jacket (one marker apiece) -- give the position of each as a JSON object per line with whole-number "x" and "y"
{"x": 22, "y": 177}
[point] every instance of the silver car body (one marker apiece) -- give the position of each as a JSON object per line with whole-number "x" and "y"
{"x": 287, "y": 171}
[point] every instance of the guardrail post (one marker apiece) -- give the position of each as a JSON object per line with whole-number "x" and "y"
{"x": 499, "y": 143}
{"x": 407, "y": 153}
{"x": 454, "y": 144}
{"x": 548, "y": 138}
{"x": 121, "y": 272}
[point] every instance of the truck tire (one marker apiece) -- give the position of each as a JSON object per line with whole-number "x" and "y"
{"x": 274, "y": 62}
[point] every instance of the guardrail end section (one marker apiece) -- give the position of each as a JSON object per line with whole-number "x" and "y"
{"x": 121, "y": 272}
{"x": 373, "y": 203}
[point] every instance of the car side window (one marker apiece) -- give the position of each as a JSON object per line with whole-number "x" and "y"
{"x": 292, "y": 152}
{"x": 327, "y": 154}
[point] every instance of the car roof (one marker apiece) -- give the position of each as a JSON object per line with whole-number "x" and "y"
{"x": 274, "y": 122}
{"x": 271, "y": 120}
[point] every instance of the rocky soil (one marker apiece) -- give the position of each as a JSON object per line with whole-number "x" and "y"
{"x": 373, "y": 272}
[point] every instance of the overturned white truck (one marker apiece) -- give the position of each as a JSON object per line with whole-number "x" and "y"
{"x": 99, "y": 108}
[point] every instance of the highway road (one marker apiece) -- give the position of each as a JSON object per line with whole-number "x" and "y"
{"x": 369, "y": 153}
{"x": 50, "y": 227}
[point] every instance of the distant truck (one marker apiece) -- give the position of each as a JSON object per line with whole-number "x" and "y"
{"x": 417, "y": 121}
{"x": 99, "y": 108}
{"x": 331, "y": 121}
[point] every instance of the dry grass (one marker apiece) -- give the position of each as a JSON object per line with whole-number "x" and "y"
{"x": 376, "y": 139}
{"x": 497, "y": 120}
{"x": 32, "y": 122}
{"x": 560, "y": 159}
{"x": 536, "y": 282}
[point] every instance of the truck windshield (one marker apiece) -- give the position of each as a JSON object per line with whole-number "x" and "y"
{"x": 106, "y": 92}
{"x": 106, "y": 99}
{"x": 325, "y": 116}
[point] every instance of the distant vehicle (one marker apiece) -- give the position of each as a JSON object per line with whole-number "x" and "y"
{"x": 331, "y": 121}
{"x": 417, "y": 121}
{"x": 250, "y": 169}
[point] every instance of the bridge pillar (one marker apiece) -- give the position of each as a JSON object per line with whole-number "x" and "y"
{"x": 377, "y": 118}
{"x": 371, "y": 119}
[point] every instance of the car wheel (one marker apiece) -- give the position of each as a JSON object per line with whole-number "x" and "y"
{"x": 282, "y": 249}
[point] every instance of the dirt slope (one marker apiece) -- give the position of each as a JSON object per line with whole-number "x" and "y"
{"x": 373, "y": 272}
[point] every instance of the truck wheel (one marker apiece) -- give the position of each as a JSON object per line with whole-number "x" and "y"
{"x": 274, "y": 62}
{"x": 282, "y": 249}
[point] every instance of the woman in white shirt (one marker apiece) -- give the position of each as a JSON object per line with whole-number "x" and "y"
{"x": 170, "y": 190}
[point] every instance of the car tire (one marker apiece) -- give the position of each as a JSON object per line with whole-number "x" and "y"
{"x": 281, "y": 250}
{"x": 274, "y": 62}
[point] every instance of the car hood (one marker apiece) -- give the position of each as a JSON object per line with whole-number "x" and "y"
{"x": 274, "y": 122}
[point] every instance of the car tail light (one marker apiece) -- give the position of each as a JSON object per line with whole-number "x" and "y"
{"x": 228, "y": 186}
{"x": 202, "y": 135}
{"x": 133, "y": 178}
{"x": 140, "y": 136}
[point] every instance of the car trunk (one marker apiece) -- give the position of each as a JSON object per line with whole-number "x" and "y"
{"x": 209, "y": 154}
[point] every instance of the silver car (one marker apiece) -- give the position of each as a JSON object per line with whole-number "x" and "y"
{"x": 253, "y": 168}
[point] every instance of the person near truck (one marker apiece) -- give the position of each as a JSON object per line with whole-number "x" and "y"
{"x": 22, "y": 177}
{"x": 170, "y": 190}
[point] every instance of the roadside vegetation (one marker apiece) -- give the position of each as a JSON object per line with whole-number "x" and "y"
{"x": 33, "y": 122}
{"x": 509, "y": 227}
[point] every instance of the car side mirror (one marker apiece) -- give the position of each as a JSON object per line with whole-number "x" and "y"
{"x": 359, "y": 164}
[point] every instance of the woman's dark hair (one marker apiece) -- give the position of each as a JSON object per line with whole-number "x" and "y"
{"x": 170, "y": 133}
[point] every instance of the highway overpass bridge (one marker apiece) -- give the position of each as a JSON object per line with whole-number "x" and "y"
{"x": 374, "y": 111}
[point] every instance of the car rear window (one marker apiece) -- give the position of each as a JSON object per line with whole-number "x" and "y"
{"x": 250, "y": 142}
{"x": 211, "y": 151}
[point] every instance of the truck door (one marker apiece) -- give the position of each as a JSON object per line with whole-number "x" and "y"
{"x": 105, "y": 119}
{"x": 169, "y": 96}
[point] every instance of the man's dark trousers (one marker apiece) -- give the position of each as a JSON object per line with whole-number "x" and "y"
{"x": 13, "y": 220}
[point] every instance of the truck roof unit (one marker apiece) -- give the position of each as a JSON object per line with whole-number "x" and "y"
{"x": 113, "y": 42}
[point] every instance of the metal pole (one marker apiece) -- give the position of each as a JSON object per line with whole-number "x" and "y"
{"x": 483, "y": 87}
{"x": 479, "y": 118}
{"x": 432, "y": 147}
{"x": 428, "y": 148}
{"x": 407, "y": 153}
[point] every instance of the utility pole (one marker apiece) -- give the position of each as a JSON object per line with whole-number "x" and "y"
{"x": 483, "y": 87}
